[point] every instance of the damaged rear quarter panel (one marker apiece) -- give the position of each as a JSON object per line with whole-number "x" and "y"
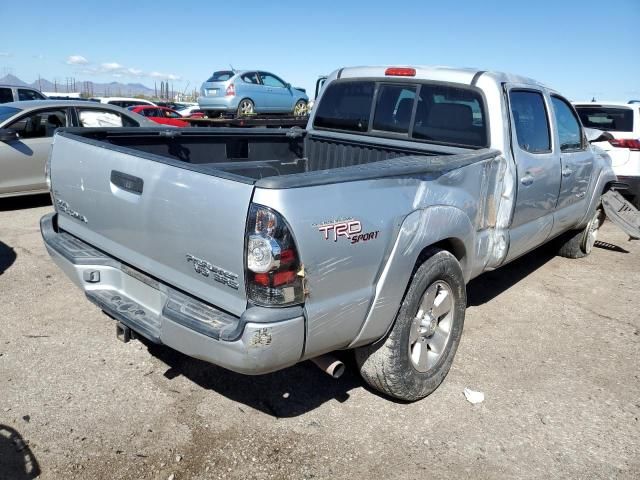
{"x": 342, "y": 276}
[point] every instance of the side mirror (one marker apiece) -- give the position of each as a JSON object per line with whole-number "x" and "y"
{"x": 595, "y": 135}
{"x": 287, "y": 85}
{"x": 8, "y": 135}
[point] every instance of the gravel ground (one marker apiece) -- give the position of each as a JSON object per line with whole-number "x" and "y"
{"x": 553, "y": 343}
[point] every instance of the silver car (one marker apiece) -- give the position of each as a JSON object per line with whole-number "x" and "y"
{"x": 26, "y": 131}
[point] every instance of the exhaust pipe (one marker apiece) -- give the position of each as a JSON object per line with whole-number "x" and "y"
{"x": 330, "y": 365}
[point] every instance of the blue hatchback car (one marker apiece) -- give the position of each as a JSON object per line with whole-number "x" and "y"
{"x": 250, "y": 91}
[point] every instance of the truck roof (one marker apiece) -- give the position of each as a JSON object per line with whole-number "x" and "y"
{"x": 435, "y": 72}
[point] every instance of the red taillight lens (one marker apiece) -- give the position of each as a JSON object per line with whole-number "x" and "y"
{"x": 231, "y": 90}
{"x": 274, "y": 274}
{"x": 630, "y": 143}
{"x": 400, "y": 72}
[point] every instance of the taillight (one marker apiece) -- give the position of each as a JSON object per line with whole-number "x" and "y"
{"x": 400, "y": 72}
{"x": 274, "y": 274}
{"x": 231, "y": 90}
{"x": 630, "y": 143}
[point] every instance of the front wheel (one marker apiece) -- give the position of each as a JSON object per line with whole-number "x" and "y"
{"x": 579, "y": 243}
{"x": 300, "y": 108}
{"x": 416, "y": 355}
{"x": 246, "y": 107}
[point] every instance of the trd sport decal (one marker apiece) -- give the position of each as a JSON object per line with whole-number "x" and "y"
{"x": 349, "y": 228}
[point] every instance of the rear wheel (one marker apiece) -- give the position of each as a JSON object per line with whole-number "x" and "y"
{"x": 300, "y": 108}
{"x": 417, "y": 353}
{"x": 579, "y": 243}
{"x": 246, "y": 107}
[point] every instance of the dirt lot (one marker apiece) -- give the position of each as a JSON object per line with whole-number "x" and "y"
{"x": 553, "y": 343}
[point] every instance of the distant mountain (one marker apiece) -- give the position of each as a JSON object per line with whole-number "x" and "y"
{"x": 13, "y": 80}
{"x": 88, "y": 87}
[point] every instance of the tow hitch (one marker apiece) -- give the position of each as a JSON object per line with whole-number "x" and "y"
{"x": 123, "y": 333}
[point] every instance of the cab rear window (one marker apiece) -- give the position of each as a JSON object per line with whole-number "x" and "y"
{"x": 606, "y": 118}
{"x": 434, "y": 113}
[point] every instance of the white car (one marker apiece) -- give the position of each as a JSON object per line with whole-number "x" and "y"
{"x": 622, "y": 121}
{"x": 188, "y": 111}
{"x": 124, "y": 102}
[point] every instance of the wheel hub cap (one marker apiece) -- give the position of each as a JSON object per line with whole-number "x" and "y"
{"x": 431, "y": 327}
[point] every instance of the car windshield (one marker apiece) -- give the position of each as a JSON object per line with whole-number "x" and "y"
{"x": 606, "y": 118}
{"x": 221, "y": 76}
{"x": 7, "y": 112}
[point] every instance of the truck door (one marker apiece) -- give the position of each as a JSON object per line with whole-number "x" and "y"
{"x": 538, "y": 169}
{"x": 576, "y": 162}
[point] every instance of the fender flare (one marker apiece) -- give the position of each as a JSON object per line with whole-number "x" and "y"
{"x": 419, "y": 230}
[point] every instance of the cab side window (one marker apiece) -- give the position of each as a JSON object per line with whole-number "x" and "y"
{"x": 26, "y": 94}
{"x": 569, "y": 130}
{"x": 530, "y": 121}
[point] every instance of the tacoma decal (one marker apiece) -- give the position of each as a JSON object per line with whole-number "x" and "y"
{"x": 207, "y": 269}
{"x": 66, "y": 209}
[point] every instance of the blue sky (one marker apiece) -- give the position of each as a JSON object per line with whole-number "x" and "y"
{"x": 581, "y": 48}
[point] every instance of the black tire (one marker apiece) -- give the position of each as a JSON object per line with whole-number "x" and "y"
{"x": 387, "y": 365}
{"x": 579, "y": 243}
{"x": 300, "y": 106}
{"x": 244, "y": 111}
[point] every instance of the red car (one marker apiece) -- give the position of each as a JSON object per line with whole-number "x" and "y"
{"x": 163, "y": 115}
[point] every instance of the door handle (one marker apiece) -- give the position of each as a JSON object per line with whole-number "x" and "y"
{"x": 566, "y": 172}
{"x": 127, "y": 182}
{"x": 526, "y": 180}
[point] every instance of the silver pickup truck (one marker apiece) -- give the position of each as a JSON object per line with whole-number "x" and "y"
{"x": 257, "y": 249}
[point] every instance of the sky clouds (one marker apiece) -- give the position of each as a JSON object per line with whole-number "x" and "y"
{"x": 116, "y": 69}
{"x": 76, "y": 60}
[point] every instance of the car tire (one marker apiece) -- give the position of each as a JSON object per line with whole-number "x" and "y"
{"x": 300, "y": 108}
{"x": 429, "y": 323}
{"x": 246, "y": 107}
{"x": 579, "y": 243}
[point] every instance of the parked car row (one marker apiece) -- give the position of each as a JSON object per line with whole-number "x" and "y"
{"x": 26, "y": 131}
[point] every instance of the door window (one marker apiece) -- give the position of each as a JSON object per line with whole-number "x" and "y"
{"x": 170, "y": 114}
{"x": 40, "y": 124}
{"x": 27, "y": 94}
{"x": 95, "y": 117}
{"x": 530, "y": 121}
{"x": 6, "y": 95}
{"x": 569, "y": 131}
{"x": 271, "y": 80}
{"x": 394, "y": 107}
{"x": 251, "y": 77}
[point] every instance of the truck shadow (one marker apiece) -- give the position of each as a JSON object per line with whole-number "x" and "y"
{"x": 283, "y": 394}
{"x": 7, "y": 257}
{"x": 17, "y": 461}
{"x": 28, "y": 201}
{"x": 489, "y": 285}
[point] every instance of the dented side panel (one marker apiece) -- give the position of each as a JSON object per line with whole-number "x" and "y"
{"x": 360, "y": 240}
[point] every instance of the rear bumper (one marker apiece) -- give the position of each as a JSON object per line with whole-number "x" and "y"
{"x": 218, "y": 103}
{"x": 260, "y": 341}
{"x": 634, "y": 185}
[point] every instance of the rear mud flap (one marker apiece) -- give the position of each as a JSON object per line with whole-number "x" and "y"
{"x": 622, "y": 213}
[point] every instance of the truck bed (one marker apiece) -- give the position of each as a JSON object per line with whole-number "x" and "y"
{"x": 274, "y": 159}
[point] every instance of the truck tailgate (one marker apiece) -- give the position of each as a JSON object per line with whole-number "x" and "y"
{"x": 183, "y": 227}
